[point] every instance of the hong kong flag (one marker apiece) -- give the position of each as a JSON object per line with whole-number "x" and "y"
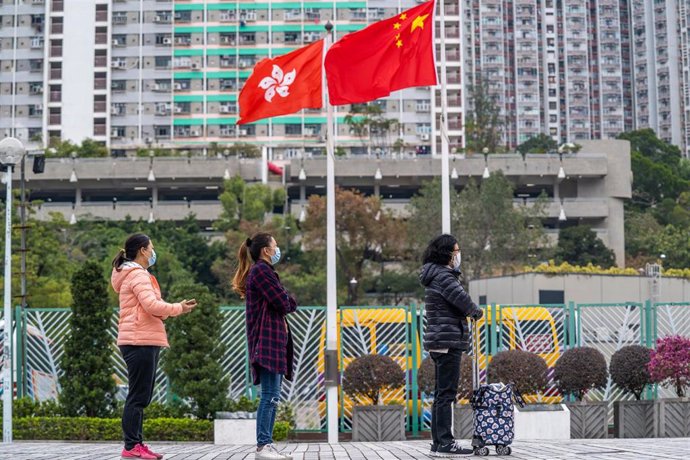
{"x": 283, "y": 85}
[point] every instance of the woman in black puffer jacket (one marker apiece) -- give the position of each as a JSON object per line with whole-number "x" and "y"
{"x": 447, "y": 308}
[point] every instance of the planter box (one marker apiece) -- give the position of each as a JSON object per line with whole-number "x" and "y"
{"x": 378, "y": 423}
{"x": 673, "y": 418}
{"x": 463, "y": 421}
{"x": 234, "y": 428}
{"x": 634, "y": 419}
{"x": 542, "y": 421}
{"x": 589, "y": 420}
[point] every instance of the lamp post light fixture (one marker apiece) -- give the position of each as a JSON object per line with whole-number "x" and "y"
{"x": 11, "y": 152}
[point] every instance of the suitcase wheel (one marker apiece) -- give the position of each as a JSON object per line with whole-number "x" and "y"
{"x": 503, "y": 450}
{"x": 482, "y": 451}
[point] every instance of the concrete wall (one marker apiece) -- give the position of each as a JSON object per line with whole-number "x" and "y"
{"x": 524, "y": 288}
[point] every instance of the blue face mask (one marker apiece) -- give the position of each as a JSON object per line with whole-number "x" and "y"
{"x": 152, "y": 259}
{"x": 275, "y": 258}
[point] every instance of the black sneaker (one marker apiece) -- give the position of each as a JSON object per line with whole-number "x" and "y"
{"x": 453, "y": 450}
{"x": 434, "y": 448}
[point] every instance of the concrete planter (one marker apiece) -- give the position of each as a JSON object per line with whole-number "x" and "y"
{"x": 634, "y": 419}
{"x": 542, "y": 421}
{"x": 234, "y": 428}
{"x": 589, "y": 420}
{"x": 463, "y": 421}
{"x": 378, "y": 423}
{"x": 673, "y": 418}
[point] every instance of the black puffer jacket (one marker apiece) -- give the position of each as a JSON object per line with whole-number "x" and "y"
{"x": 447, "y": 308}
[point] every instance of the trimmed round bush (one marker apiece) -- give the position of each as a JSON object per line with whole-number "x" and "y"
{"x": 579, "y": 370}
{"x": 426, "y": 377}
{"x": 527, "y": 371}
{"x": 629, "y": 369}
{"x": 669, "y": 364}
{"x": 369, "y": 375}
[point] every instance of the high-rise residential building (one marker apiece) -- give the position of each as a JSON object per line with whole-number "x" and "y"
{"x": 149, "y": 73}
{"x": 554, "y": 67}
{"x": 140, "y": 74}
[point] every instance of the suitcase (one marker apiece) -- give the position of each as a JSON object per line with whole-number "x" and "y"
{"x": 493, "y": 409}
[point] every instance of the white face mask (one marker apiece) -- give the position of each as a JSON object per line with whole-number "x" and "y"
{"x": 457, "y": 260}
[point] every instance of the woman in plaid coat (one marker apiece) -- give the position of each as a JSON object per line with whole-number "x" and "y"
{"x": 270, "y": 342}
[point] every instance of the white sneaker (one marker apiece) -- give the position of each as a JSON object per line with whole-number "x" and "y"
{"x": 269, "y": 452}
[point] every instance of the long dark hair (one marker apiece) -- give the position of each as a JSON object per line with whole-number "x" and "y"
{"x": 132, "y": 246}
{"x": 249, "y": 247}
{"x": 440, "y": 250}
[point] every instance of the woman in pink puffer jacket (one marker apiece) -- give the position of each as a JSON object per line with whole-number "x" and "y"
{"x": 141, "y": 334}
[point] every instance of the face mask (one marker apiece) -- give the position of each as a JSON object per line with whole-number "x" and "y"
{"x": 275, "y": 258}
{"x": 457, "y": 260}
{"x": 152, "y": 259}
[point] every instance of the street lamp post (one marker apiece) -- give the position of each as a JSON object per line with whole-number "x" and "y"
{"x": 11, "y": 152}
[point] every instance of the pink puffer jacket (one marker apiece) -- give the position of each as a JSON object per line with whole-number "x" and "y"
{"x": 141, "y": 309}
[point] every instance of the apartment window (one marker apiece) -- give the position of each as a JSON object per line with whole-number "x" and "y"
{"x": 227, "y": 38}
{"x": 163, "y": 39}
{"x": 163, "y": 62}
{"x": 247, "y": 38}
{"x": 35, "y": 88}
{"x": 36, "y": 65}
{"x": 227, "y": 130}
{"x": 36, "y": 110}
{"x": 423, "y": 105}
{"x": 161, "y": 85}
{"x": 161, "y": 132}
{"x": 119, "y": 17}
{"x": 423, "y": 128}
{"x": 291, "y": 37}
{"x": 117, "y": 131}
{"x": 312, "y": 130}
{"x": 293, "y": 130}
{"x": 118, "y": 85}
{"x": 56, "y": 25}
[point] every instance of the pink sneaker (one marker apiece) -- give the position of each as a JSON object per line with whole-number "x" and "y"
{"x": 146, "y": 448}
{"x": 138, "y": 452}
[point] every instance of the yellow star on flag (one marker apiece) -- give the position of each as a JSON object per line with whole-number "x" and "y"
{"x": 398, "y": 43}
{"x": 403, "y": 17}
{"x": 418, "y": 22}
{"x": 396, "y": 26}
{"x": 397, "y": 37}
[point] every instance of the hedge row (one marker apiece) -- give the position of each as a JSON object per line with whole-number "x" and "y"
{"x": 102, "y": 429}
{"x": 108, "y": 429}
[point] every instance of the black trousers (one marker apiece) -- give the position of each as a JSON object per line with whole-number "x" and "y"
{"x": 142, "y": 362}
{"x": 447, "y": 371}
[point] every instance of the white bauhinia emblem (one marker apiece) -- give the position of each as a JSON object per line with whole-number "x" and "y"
{"x": 277, "y": 83}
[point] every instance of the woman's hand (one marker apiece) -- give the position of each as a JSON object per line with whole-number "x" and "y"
{"x": 188, "y": 305}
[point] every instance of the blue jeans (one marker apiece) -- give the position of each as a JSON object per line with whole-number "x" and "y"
{"x": 268, "y": 405}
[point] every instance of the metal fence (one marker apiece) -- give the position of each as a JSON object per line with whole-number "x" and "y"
{"x": 394, "y": 331}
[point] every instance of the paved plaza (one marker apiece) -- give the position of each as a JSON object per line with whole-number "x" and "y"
{"x": 607, "y": 449}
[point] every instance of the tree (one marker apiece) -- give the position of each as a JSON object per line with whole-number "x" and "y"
{"x": 538, "y": 144}
{"x": 88, "y": 149}
{"x": 580, "y": 245}
{"x": 193, "y": 362}
{"x": 242, "y": 149}
{"x": 365, "y": 232}
{"x": 492, "y": 233}
{"x": 657, "y": 168}
{"x": 88, "y": 388}
{"x": 484, "y": 125}
{"x": 246, "y": 202}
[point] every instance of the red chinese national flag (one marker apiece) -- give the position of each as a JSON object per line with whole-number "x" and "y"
{"x": 283, "y": 85}
{"x": 387, "y": 56}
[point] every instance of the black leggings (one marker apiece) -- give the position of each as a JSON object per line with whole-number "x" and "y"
{"x": 142, "y": 362}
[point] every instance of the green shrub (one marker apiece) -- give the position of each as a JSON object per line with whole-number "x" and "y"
{"x": 243, "y": 404}
{"x": 370, "y": 375}
{"x": 281, "y": 431}
{"x": 87, "y": 383}
{"x": 629, "y": 369}
{"x": 286, "y": 413}
{"x": 527, "y": 371}
{"x": 27, "y": 407}
{"x": 579, "y": 370}
{"x": 193, "y": 362}
{"x": 101, "y": 429}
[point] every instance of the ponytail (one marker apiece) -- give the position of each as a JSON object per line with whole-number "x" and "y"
{"x": 132, "y": 246}
{"x": 239, "y": 281}
{"x": 249, "y": 252}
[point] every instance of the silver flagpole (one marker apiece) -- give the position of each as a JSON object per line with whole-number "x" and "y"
{"x": 331, "y": 285}
{"x": 445, "y": 165}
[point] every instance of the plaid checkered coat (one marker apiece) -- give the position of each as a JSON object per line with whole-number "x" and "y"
{"x": 268, "y": 332}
